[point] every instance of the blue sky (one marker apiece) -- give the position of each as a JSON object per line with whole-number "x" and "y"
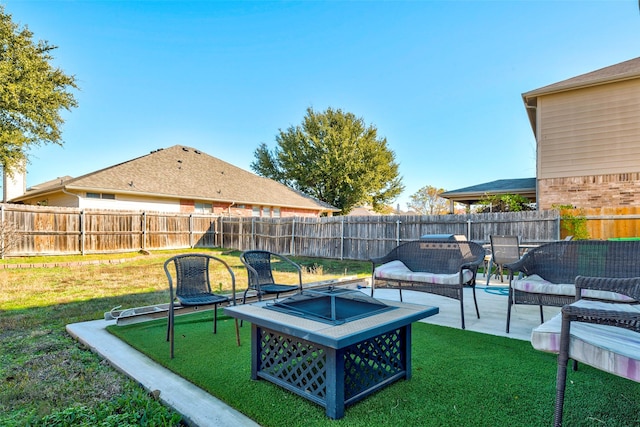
{"x": 440, "y": 80}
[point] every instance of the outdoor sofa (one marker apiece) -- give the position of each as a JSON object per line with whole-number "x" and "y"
{"x": 433, "y": 266}
{"x": 545, "y": 275}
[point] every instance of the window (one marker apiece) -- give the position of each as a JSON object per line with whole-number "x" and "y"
{"x": 206, "y": 208}
{"x": 266, "y": 211}
{"x": 276, "y": 212}
{"x": 256, "y": 211}
{"x": 107, "y": 196}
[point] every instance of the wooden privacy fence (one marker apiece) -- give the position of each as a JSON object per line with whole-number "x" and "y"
{"x": 364, "y": 237}
{"x": 35, "y": 230}
{"x": 608, "y": 222}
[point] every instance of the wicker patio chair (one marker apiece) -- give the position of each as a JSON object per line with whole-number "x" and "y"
{"x": 546, "y": 274}
{"x": 259, "y": 266}
{"x": 433, "y": 266}
{"x": 192, "y": 288}
{"x": 620, "y": 355}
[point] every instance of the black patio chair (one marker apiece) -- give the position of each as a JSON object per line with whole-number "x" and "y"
{"x": 193, "y": 288}
{"x": 504, "y": 250}
{"x": 260, "y": 273}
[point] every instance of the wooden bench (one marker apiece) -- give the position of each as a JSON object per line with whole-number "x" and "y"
{"x": 432, "y": 266}
{"x": 605, "y": 335}
{"x": 545, "y": 275}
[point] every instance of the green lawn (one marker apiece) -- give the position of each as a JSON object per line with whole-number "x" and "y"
{"x": 460, "y": 378}
{"x": 47, "y": 378}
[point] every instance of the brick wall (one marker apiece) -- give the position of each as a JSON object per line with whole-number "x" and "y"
{"x": 590, "y": 191}
{"x": 187, "y": 206}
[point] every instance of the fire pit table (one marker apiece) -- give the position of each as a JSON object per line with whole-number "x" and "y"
{"x": 333, "y": 346}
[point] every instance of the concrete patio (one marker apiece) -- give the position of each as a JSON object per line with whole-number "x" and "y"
{"x": 201, "y": 409}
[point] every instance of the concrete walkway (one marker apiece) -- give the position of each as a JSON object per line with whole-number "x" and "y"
{"x": 197, "y": 407}
{"x": 201, "y": 409}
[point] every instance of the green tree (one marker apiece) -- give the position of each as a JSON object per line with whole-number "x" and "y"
{"x": 334, "y": 157}
{"x": 504, "y": 203}
{"x": 32, "y": 93}
{"x": 427, "y": 201}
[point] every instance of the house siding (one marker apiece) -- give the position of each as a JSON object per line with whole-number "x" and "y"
{"x": 58, "y": 199}
{"x": 133, "y": 203}
{"x": 130, "y": 202}
{"x": 590, "y": 132}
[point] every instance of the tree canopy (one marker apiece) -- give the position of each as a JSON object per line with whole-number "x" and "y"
{"x": 427, "y": 201}
{"x": 32, "y": 94}
{"x": 334, "y": 157}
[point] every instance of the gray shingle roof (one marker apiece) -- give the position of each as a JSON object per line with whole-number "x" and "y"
{"x": 624, "y": 70}
{"x": 185, "y": 172}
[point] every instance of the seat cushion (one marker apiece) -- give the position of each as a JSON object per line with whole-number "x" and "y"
{"x": 611, "y": 349}
{"x": 537, "y": 285}
{"x": 202, "y": 299}
{"x": 396, "y": 270}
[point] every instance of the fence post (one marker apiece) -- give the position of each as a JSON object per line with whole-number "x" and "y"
{"x": 219, "y": 236}
{"x": 191, "y": 231}
{"x": 342, "y": 239}
{"x": 293, "y": 236}
{"x": 82, "y": 231}
{"x": 253, "y": 232}
{"x": 3, "y": 230}
{"x": 144, "y": 230}
{"x": 398, "y": 222}
{"x": 469, "y": 229}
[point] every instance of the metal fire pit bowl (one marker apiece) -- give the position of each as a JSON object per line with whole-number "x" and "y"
{"x": 331, "y": 305}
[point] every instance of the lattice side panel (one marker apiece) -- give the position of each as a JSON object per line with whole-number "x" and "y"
{"x": 370, "y": 362}
{"x": 295, "y": 362}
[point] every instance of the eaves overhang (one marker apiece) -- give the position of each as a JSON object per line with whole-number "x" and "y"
{"x": 81, "y": 189}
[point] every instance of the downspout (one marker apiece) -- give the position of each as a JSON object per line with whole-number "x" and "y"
{"x": 536, "y": 132}
{"x": 72, "y": 194}
{"x": 229, "y": 209}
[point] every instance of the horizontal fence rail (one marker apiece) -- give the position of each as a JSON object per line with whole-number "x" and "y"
{"x": 363, "y": 237}
{"x": 36, "y": 230}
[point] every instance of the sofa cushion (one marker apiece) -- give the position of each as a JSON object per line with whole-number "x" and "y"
{"x": 397, "y": 270}
{"x": 537, "y": 285}
{"x": 611, "y": 349}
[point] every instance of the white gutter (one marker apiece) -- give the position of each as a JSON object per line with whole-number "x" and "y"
{"x": 72, "y": 194}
